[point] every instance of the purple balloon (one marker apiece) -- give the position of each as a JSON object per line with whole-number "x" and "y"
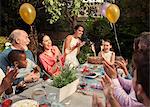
{"x": 104, "y": 7}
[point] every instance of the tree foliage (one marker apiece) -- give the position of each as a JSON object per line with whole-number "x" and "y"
{"x": 53, "y": 7}
{"x": 133, "y": 20}
{"x": 63, "y": 9}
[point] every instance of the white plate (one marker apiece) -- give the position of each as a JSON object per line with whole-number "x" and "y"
{"x": 26, "y": 103}
{"x": 92, "y": 77}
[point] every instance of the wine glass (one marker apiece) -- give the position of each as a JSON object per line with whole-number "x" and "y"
{"x": 52, "y": 100}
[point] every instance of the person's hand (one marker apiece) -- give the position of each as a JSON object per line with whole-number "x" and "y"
{"x": 96, "y": 101}
{"x": 28, "y": 78}
{"x": 110, "y": 70}
{"x": 32, "y": 77}
{"x": 82, "y": 43}
{"x": 21, "y": 85}
{"x": 107, "y": 86}
{"x": 36, "y": 76}
{"x": 122, "y": 65}
{"x": 77, "y": 45}
{"x": 101, "y": 56}
{"x": 9, "y": 78}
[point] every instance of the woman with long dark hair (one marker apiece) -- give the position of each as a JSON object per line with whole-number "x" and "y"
{"x": 49, "y": 56}
{"x": 72, "y": 46}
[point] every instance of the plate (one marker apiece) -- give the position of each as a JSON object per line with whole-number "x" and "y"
{"x": 26, "y": 103}
{"x": 92, "y": 76}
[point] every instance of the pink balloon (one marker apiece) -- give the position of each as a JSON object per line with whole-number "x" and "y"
{"x": 104, "y": 8}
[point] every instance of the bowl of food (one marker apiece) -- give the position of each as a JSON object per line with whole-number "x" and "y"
{"x": 26, "y": 103}
{"x": 94, "y": 60}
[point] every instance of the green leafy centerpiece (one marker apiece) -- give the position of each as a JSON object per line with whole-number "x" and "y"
{"x": 67, "y": 76}
{"x": 65, "y": 84}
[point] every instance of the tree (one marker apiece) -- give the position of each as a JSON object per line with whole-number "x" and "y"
{"x": 63, "y": 9}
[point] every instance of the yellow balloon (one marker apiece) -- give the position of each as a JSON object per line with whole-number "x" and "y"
{"x": 113, "y": 13}
{"x": 27, "y": 13}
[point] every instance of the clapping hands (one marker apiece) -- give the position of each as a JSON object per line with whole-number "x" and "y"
{"x": 110, "y": 70}
{"x": 96, "y": 101}
{"x": 122, "y": 65}
{"x": 9, "y": 78}
{"x": 32, "y": 77}
{"x": 108, "y": 92}
{"x": 80, "y": 44}
{"x": 107, "y": 86}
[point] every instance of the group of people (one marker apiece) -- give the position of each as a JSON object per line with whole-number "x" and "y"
{"x": 19, "y": 67}
{"x": 122, "y": 92}
{"x": 51, "y": 58}
{"x": 18, "y": 60}
{"x": 22, "y": 64}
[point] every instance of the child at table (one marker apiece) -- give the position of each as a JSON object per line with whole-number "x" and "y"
{"x": 28, "y": 71}
{"x": 120, "y": 64}
{"x": 106, "y": 54}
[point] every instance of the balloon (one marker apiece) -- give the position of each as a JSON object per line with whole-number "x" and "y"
{"x": 104, "y": 7}
{"x": 113, "y": 13}
{"x": 27, "y": 13}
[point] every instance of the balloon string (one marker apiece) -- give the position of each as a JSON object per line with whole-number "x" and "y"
{"x": 117, "y": 39}
{"x": 31, "y": 29}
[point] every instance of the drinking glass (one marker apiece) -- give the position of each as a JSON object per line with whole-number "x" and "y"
{"x": 57, "y": 104}
{"x": 39, "y": 95}
{"x": 51, "y": 97}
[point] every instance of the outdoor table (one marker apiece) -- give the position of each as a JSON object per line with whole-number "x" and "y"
{"x": 78, "y": 99}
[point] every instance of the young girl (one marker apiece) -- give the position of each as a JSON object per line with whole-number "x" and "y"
{"x": 106, "y": 54}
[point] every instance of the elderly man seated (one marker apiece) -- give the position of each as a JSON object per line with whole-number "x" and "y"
{"x": 19, "y": 40}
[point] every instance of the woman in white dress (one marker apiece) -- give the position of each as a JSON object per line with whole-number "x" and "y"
{"x": 72, "y": 46}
